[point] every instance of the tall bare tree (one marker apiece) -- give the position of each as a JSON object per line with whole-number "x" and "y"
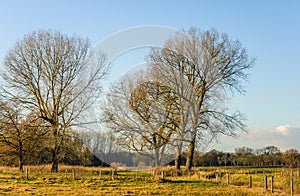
{"x": 201, "y": 67}
{"x": 140, "y": 113}
{"x": 55, "y": 75}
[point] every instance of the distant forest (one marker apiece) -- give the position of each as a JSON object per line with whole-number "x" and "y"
{"x": 269, "y": 156}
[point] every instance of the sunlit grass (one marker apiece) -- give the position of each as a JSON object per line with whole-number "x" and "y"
{"x": 73, "y": 180}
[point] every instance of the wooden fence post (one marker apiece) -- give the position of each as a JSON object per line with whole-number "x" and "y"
{"x": 73, "y": 174}
{"x": 272, "y": 184}
{"x": 228, "y": 178}
{"x": 266, "y": 182}
{"x": 112, "y": 174}
{"x": 292, "y": 186}
{"x": 250, "y": 181}
{"x": 100, "y": 174}
{"x": 162, "y": 175}
{"x": 27, "y": 175}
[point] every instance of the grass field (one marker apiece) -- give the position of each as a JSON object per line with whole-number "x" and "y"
{"x": 98, "y": 181}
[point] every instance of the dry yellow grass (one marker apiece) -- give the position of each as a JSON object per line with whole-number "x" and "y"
{"x": 89, "y": 181}
{"x": 100, "y": 187}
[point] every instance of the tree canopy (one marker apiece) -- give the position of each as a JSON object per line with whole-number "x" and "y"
{"x": 55, "y": 75}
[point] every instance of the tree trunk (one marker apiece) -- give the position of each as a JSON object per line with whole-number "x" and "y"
{"x": 57, "y": 138}
{"x": 157, "y": 162}
{"x": 21, "y": 159}
{"x": 156, "y": 150}
{"x": 54, "y": 167}
{"x": 177, "y": 161}
{"x": 190, "y": 153}
{"x": 21, "y": 163}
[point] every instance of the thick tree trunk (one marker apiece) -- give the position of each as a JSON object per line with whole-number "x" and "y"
{"x": 157, "y": 162}
{"x": 177, "y": 161}
{"x": 56, "y": 148}
{"x": 21, "y": 159}
{"x": 54, "y": 167}
{"x": 21, "y": 163}
{"x": 190, "y": 153}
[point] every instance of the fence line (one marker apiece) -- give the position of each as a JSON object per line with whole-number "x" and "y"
{"x": 284, "y": 180}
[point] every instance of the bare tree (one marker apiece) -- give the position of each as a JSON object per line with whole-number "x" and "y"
{"x": 243, "y": 155}
{"x": 270, "y": 155}
{"x": 140, "y": 113}
{"x": 291, "y": 157}
{"x": 55, "y": 75}
{"x": 201, "y": 67}
{"x": 20, "y": 136}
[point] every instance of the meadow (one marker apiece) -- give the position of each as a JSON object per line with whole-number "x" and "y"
{"x": 77, "y": 180}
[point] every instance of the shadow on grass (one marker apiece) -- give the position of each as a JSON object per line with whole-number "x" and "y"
{"x": 200, "y": 182}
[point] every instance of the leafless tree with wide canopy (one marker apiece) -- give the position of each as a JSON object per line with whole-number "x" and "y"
{"x": 57, "y": 76}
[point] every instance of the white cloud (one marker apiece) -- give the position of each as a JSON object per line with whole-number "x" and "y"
{"x": 284, "y": 129}
{"x": 283, "y": 136}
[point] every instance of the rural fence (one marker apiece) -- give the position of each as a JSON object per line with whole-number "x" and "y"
{"x": 274, "y": 180}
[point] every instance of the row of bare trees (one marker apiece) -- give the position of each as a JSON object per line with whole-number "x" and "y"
{"x": 269, "y": 156}
{"x": 50, "y": 81}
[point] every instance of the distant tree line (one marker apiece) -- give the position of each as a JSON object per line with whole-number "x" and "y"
{"x": 269, "y": 156}
{"x": 27, "y": 141}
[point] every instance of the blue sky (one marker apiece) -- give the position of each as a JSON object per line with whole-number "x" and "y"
{"x": 269, "y": 29}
